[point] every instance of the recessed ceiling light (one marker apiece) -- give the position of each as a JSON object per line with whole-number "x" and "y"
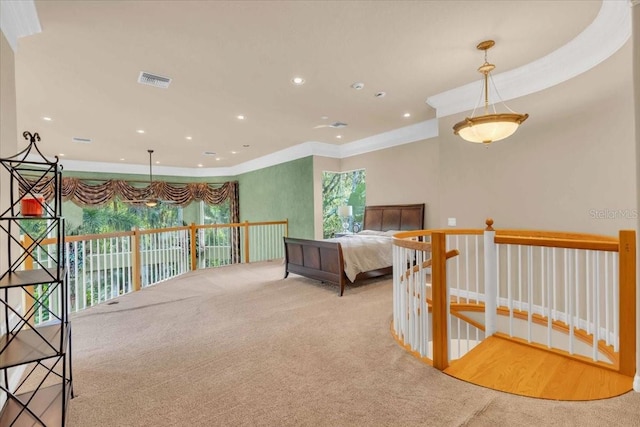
{"x": 189, "y": 138}
{"x": 324, "y": 117}
{"x": 406, "y": 115}
{"x": 246, "y": 145}
{"x": 61, "y": 154}
{"x": 298, "y": 81}
{"x": 140, "y": 131}
{"x": 339, "y": 136}
{"x": 122, "y": 159}
{"x": 217, "y": 158}
{"x": 358, "y": 85}
{"x": 157, "y": 162}
{"x": 48, "y": 119}
{"x": 199, "y": 165}
{"x": 379, "y": 94}
{"x": 233, "y": 152}
{"x": 240, "y": 117}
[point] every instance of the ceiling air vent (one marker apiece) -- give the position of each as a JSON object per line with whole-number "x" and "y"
{"x": 153, "y": 80}
{"x": 82, "y": 140}
{"x": 337, "y": 125}
{"x": 209, "y": 153}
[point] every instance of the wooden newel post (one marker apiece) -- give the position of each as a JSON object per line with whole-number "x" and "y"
{"x": 246, "y": 242}
{"x": 136, "y": 262}
{"x": 194, "y": 247}
{"x": 439, "y": 298}
{"x": 627, "y": 281}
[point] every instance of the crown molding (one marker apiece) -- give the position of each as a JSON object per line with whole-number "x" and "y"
{"x": 609, "y": 31}
{"x": 18, "y": 18}
{"x": 404, "y": 135}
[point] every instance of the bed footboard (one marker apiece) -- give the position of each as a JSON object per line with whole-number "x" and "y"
{"x": 315, "y": 259}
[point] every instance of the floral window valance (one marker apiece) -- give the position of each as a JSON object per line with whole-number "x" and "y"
{"x": 85, "y": 194}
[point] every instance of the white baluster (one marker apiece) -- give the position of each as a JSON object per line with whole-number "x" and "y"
{"x": 490, "y": 280}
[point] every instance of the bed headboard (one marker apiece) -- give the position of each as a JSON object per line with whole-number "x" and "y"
{"x": 394, "y": 217}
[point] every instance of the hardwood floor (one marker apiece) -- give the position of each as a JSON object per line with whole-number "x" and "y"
{"x": 505, "y": 365}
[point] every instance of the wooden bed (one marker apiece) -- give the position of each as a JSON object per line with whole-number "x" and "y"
{"x": 323, "y": 260}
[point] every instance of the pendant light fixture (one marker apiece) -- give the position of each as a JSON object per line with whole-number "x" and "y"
{"x": 491, "y": 126}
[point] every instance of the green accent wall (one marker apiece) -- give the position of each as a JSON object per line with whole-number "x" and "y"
{"x": 279, "y": 192}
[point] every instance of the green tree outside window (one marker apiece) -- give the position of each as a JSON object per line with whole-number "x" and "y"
{"x": 338, "y": 189}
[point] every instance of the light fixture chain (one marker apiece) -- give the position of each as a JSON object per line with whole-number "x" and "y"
{"x": 500, "y": 97}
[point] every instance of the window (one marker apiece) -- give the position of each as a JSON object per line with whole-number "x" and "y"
{"x": 119, "y": 216}
{"x": 338, "y": 189}
{"x": 215, "y": 214}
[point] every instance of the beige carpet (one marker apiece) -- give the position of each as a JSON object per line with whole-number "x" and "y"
{"x": 240, "y": 346}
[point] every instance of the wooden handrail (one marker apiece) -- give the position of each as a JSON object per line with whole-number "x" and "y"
{"x": 86, "y": 237}
{"x": 427, "y": 264}
{"x": 242, "y": 224}
{"x": 252, "y": 224}
{"x": 556, "y": 235}
{"x": 511, "y": 233}
{"x": 413, "y": 244}
{"x": 230, "y": 225}
{"x": 164, "y": 230}
{"x": 557, "y": 243}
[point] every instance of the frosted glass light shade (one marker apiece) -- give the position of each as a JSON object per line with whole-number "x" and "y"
{"x": 345, "y": 211}
{"x": 489, "y": 128}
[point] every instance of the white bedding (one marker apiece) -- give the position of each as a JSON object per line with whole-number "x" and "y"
{"x": 365, "y": 251}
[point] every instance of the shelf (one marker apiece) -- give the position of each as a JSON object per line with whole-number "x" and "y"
{"x": 30, "y": 217}
{"x": 27, "y": 346}
{"x": 47, "y": 404}
{"x": 38, "y": 276}
{"x": 42, "y": 353}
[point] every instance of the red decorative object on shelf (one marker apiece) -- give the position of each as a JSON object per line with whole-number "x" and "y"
{"x": 32, "y": 206}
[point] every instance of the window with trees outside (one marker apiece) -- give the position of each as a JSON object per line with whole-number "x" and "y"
{"x": 342, "y": 189}
{"x": 119, "y": 216}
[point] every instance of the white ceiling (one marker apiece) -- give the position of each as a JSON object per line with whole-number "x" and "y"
{"x": 238, "y": 57}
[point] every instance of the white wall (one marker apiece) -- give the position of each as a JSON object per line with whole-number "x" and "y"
{"x": 8, "y": 147}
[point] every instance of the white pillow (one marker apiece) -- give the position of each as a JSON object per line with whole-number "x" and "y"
{"x": 372, "y": 233}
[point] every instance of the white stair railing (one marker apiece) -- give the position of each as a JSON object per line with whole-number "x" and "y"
{"x": 564, "y": 298}
{"x": 563, "y": 291}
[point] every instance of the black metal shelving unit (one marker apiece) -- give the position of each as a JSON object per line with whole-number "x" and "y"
{"x": 35, "y": 355}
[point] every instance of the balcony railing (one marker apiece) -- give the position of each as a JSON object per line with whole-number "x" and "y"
{"x": 101, "y": 267}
